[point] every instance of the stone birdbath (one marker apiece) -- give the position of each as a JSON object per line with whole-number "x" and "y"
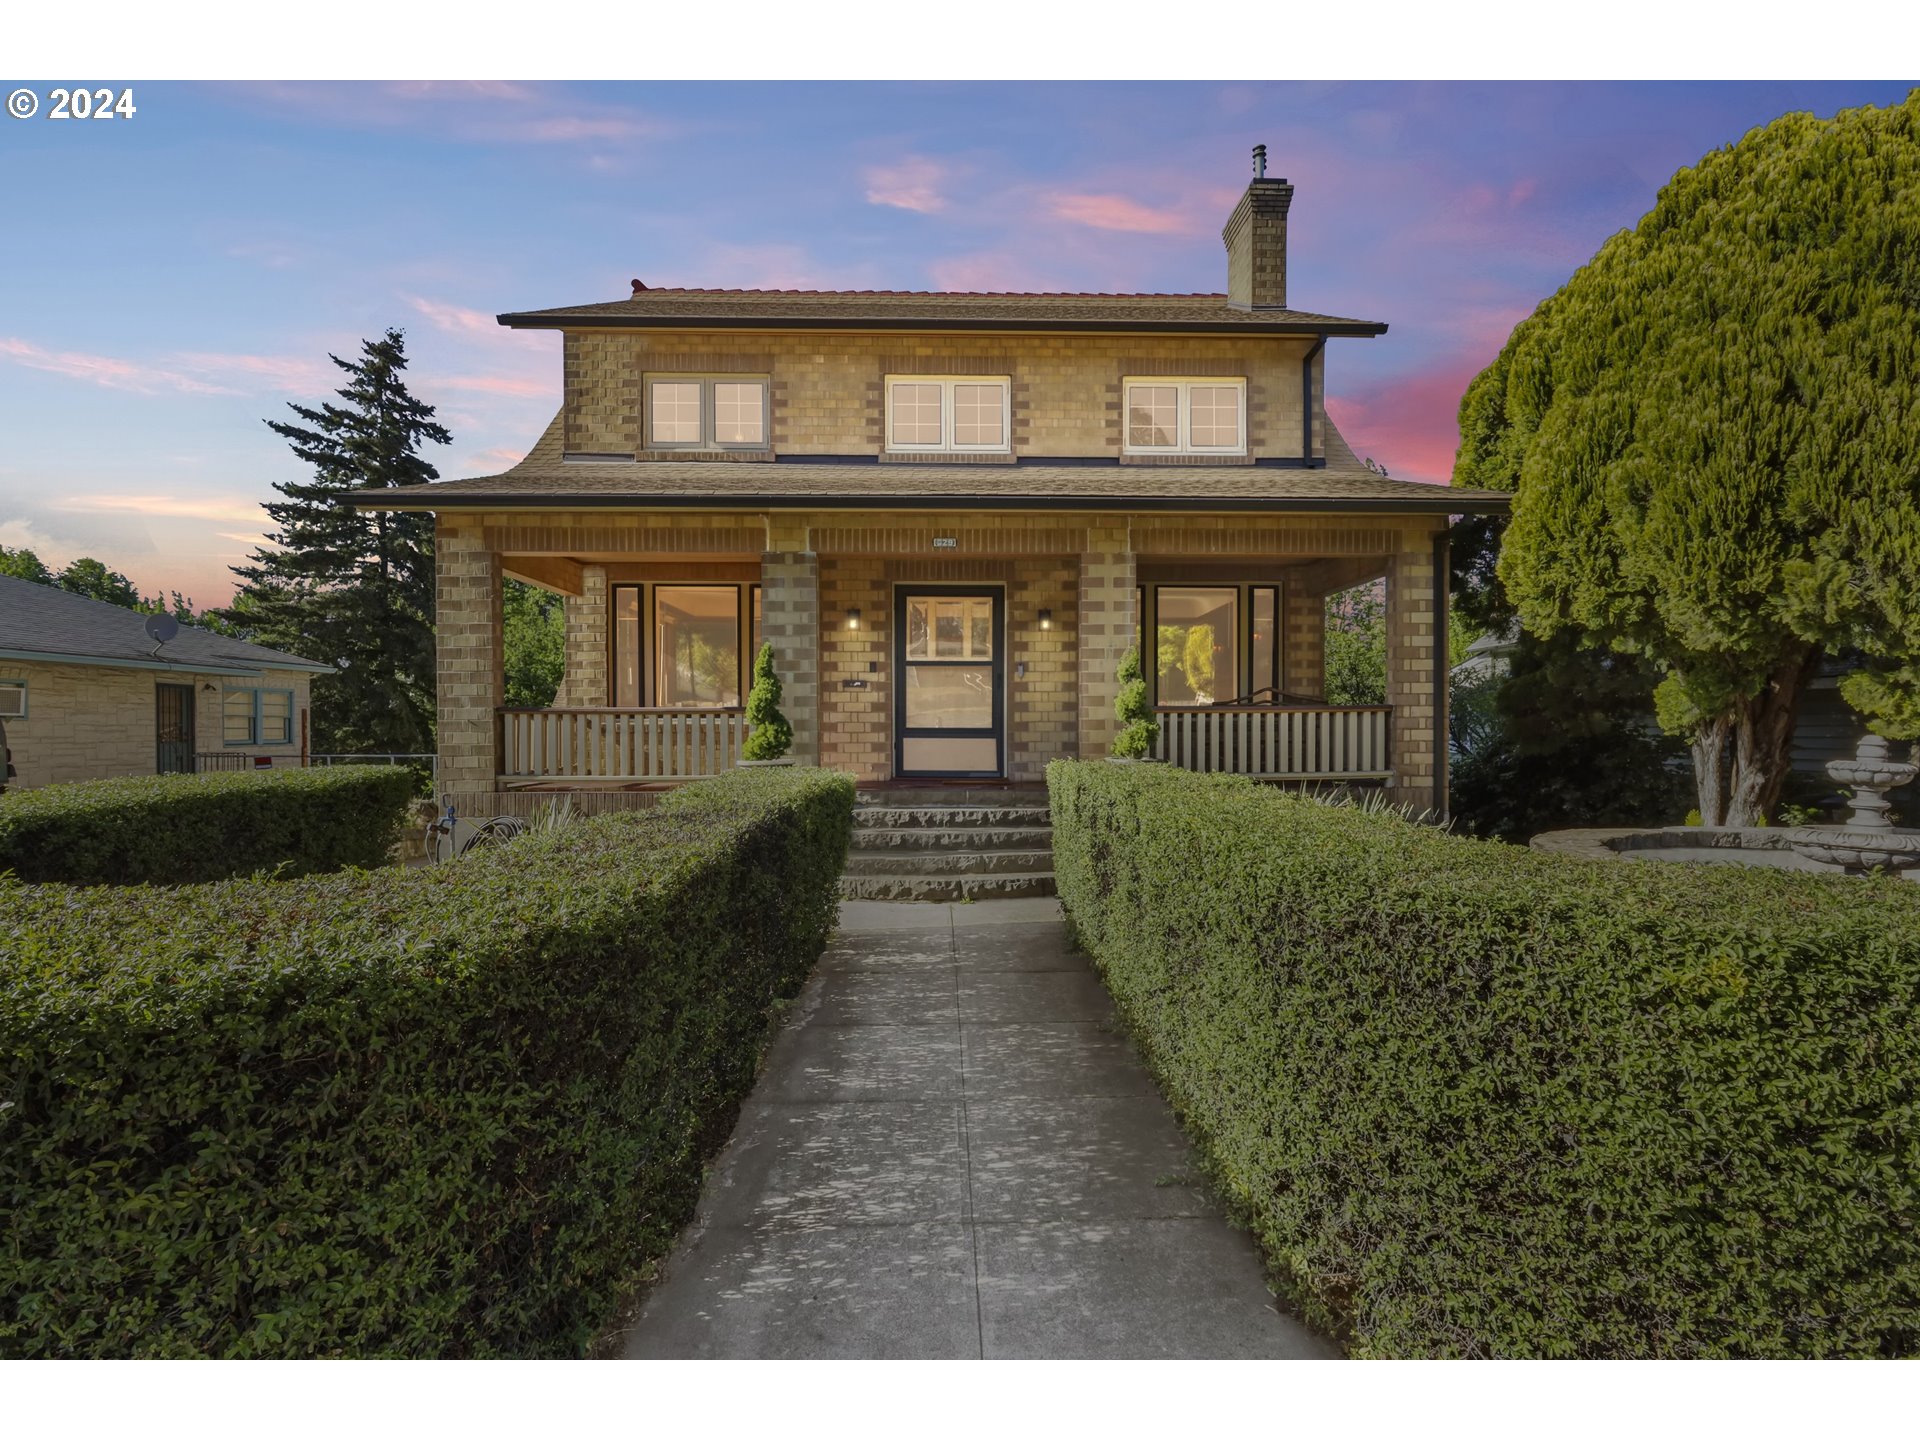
{"x": 1866, "y": 839}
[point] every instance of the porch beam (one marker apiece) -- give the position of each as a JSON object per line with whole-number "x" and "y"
{"x": 553, "y": 573}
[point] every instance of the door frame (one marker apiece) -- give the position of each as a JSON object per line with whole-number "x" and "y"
{"x": 983, "y": 590}
{"x": 189, "y": 701}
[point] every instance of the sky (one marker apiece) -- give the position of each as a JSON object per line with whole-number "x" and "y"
{"x": 171, "y": 280}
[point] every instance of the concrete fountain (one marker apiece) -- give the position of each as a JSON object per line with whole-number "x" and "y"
{"x": 1866, "y": 839}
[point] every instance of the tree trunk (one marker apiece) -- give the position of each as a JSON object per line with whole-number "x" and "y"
{"x": 1709, "y": 747}
{"x": 1763, "y": 741}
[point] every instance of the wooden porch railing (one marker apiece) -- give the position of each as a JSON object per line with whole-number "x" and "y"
{"x": 1293, "y": 742}
{"x": 612, "y": 744}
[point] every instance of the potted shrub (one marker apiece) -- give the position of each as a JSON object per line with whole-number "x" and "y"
{"x": 1138, "y": 729}
{"x": 771, "y": 735}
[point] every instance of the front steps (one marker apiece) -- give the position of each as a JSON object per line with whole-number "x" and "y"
{"x": 943, "y": 843}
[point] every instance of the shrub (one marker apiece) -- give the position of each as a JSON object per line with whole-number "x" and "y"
{"x": 181, "y": 829}
{"x": 1475, "y": 1100}
{"x": 770, "y": 735}
{"x": 1138, "y": 728}
{"x": 447, "y": 1111}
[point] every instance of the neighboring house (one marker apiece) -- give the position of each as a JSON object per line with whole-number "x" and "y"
{"x": 85, "y": 693}
{"x": 951, "y": 514}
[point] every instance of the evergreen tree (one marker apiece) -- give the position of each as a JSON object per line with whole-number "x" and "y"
{"x": 533, "y": 638}
{"x": 1713, "y": 436}
{"x": 770, "y": 735}
{"x": 1356, "y": 645}
{"x": 352, "y": 588}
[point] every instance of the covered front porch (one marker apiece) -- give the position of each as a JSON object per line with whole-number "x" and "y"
{"x": 941, "y": 648}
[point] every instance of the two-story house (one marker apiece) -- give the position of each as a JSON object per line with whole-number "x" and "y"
{"x": 950, "y": 514}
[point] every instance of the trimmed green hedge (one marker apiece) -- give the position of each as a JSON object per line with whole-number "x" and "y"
{"x": 1478, "y": 1101}
{"x": 439, "y": 1112}
{"x": 183, "y": 829}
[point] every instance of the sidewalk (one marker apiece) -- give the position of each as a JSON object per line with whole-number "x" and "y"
{"x": 955, "y": 1153}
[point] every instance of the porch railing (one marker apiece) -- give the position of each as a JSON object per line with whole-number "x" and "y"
{"x": 613, "y": 744}
{"x": 1292, "y": 742}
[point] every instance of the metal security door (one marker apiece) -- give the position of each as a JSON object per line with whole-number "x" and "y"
{"x": 173, "y": 729}
{"x": 949, "y": 718}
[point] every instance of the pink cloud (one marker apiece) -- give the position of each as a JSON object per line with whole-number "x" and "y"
{"x": 105, "y": 370}
{"x": 911, "y": 184}
{"x": 455, "y": 319}
{"x": 482, "y": 112}
{"x": 986, "y": 270}
{"x": 1411, "y": 423}
{"x": 1117, "y": 212}
{"x": 292, "y": 374}
{"x": 496, "y": 384}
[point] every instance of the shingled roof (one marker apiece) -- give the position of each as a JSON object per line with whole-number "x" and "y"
{"x": 938, "y": 309}
{"x": 40, "y": 622}
{"x": 546, "y": 479}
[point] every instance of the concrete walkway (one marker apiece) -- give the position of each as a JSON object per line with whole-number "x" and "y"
{"x": 954, "y": 1152}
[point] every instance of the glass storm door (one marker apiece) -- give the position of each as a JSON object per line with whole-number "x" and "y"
{"x": 950, "y": 703}
{"x": 173, "y": 729}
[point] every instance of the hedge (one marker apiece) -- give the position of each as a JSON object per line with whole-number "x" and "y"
{"x": 1476, "y": 1101}
{"x": 183, "y": 829}
{"x": 439, "y": 1112}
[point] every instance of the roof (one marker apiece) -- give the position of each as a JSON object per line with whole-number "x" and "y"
{"x": 546, "y": 479}
{"x": 938, "y": 309}
{"x": 40, "y": 622}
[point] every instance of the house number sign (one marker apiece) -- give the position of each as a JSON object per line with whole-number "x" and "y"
{"x": 945, "y": 542}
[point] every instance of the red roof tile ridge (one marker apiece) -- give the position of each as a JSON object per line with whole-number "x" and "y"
{"x": 953, "y": 294}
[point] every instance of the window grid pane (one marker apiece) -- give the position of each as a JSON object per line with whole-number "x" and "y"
{"x": 978, "y": 415}
{"x": 276, "y": 717}
{"x": 1153, "y": 416}
{"x": 916, "y": 415}
{"x": 1215, "y": 417}
{"x": 739, "y": 413}
{"x": 236, "y": 717}
{"x": 676, "y": 412}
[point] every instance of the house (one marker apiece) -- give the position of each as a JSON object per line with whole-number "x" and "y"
{"x": 87, "y": 692}
{"x": 951, "y": 515}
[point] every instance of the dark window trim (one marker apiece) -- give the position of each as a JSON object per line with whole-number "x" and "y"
{"x": 646, "y": 662}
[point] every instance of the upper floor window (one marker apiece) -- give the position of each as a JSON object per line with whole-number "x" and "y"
{"x": 257, "y": 717}
{"x": 1186, "y": 417}
{"x": 706, "y": 412}
{"x": 948, "y": 412}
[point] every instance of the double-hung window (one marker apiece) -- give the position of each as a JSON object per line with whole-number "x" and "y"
{"x": 706, "y": 412}
{"x": 950, "y": 413}
{"x": 13, "y": 699}
{"x": 257, "y": 717}
{"x": 1177, "y": 416}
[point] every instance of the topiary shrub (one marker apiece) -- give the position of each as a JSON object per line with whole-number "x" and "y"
{"x": 770, "y": 736}
{"x": 1138, "y": 729}
{"x": 183, "y": 829}
{"x": 1476, "y": 1100}
{"x": 436, "y": 1112}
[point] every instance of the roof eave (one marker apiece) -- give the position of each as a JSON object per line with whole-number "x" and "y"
{"x": 542, "y": 320}
{"x": 1444, "y": 502}
{"x": 196, "y": 667}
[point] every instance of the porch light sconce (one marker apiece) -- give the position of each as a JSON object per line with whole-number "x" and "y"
{"x": 210, "y": 688}
{"x": 1046, "y": 619}
{"x": 853, "y": 618}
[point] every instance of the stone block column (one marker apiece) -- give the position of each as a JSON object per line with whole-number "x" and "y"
{"x": 790, "y": 622}
{"x": 1107, "y": 625}
{"x": 1303, "y": 639}
{"x": 1416, "y": 686}
{"x": 585, "y": 680}
{"x": 470, "y": 673}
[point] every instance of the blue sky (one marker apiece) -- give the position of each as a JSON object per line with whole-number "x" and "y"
{"x": 167, "y": 282}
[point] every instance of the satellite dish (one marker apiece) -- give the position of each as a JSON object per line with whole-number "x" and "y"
{"x": 161, "y": 629}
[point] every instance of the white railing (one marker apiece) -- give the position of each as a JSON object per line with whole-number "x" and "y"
{"x": 1280, "y": 742}
{"x": 606, "y": 744}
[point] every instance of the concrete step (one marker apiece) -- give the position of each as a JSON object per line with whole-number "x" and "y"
{"x": 895, "y": 838}
{"x": 948, "y": 817}
{"x": 1038, "y": 884}
{"x": 949, "y": 862}
{"x": 911, "y": 795}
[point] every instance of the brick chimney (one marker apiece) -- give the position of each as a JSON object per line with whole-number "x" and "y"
{"x": 1256, "y": 238}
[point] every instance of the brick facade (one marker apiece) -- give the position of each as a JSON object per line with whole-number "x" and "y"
{"x": 470, "y": 670}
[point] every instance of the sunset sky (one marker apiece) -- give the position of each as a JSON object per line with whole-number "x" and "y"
{"x": 169, "y": 281}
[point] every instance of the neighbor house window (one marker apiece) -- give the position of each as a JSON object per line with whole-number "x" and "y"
{"x": 257, "y": 717}
{"x": 677, "y": 646}
{"x": 706, "y": 412}
{"x": 1186, "y": 417}
{"x": 1196, "y": 644}
{"x": 948, "y": 412}
{"x": 13, "y": 699}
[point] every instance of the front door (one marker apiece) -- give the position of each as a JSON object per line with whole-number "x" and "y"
{"x": 950, "y": 702}
{"x": 173, "y": 729}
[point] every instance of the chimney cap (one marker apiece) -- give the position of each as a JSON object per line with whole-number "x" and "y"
{"x": 638, "y": 286}
{"x": 1260, "y": 162}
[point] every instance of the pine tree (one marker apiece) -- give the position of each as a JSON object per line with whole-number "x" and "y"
{"x": 353, "y": 588}
{"x": 771, "y": 735}
{"x": 1713, "y": 436}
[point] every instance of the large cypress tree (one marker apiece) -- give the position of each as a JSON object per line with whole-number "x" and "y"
{"x": 1713, "y": 433}
{"x": 354, "y": 588}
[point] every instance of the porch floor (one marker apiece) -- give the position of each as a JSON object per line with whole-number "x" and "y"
{"x": 955, "y": 1153}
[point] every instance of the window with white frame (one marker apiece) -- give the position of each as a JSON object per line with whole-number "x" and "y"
{"x": 706, "y": 412}
{"x": 256, "y": 717}
{"x": 949, "y": 412}
{"x": 13, "y": 699}
{"x": 1174, "y": 416}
